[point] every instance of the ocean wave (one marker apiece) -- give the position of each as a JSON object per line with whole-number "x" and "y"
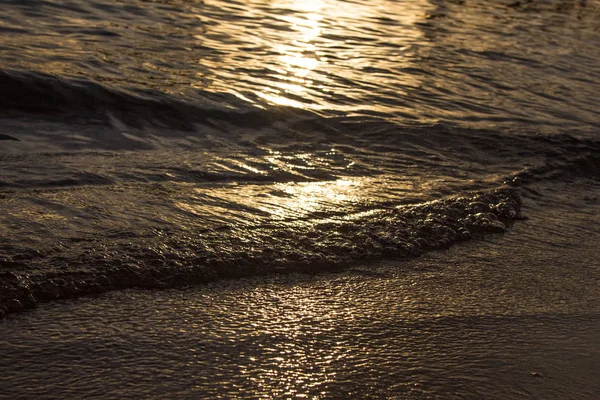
{"x": 123, "y": 189}
{"x": 323, "y": 245}
{"x": 83, "y": 100}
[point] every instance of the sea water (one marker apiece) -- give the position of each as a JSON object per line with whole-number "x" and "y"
{"x": 285, "y": 162}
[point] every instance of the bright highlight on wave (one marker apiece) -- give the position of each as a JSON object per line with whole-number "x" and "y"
{"x": 311, "y": 49}
{"x": 304, "y": 198}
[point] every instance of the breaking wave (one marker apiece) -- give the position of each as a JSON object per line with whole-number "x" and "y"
{"x": 323, "y": 245}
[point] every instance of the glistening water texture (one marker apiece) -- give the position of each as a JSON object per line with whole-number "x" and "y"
{"x": 482, "y": 320}
{"x": 167, "y": 144}
{"x": 481, "y": 63}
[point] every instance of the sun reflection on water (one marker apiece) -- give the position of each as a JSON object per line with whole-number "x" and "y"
{"x": 316, "y": 55}
{"x": 298, "y": 57}
{"x": 324, "y": 55}
{"x": 324, "y": 42}
{"x": 249, "y": 204}
{"x": 297, "y": 199}
{"x": 308, "y": 197}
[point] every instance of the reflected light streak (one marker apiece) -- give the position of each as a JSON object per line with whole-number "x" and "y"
{"x": 315, "y": 54}
{"x": 300, "y": 199}
{"x": 303, "y": 49}
{"x": 295, "y": 60}
{"x": 248, "y": 204}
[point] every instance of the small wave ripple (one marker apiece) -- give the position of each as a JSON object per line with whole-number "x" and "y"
{"x": 86, "y": 101}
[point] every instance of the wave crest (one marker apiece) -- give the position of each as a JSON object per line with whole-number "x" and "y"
{"x": 324, "y": 245}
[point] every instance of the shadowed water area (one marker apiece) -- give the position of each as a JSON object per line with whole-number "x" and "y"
{"x": 169, "y": 144}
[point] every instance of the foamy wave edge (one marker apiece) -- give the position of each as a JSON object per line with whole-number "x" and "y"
{"x": 326, "y": 246}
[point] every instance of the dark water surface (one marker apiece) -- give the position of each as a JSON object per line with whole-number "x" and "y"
{"x": 167, "y": 144}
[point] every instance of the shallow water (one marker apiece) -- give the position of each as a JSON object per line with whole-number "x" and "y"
{"x": 122, "y": 167}
{"x": 514, "y": 316}
{"x": 167, "y": 144}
